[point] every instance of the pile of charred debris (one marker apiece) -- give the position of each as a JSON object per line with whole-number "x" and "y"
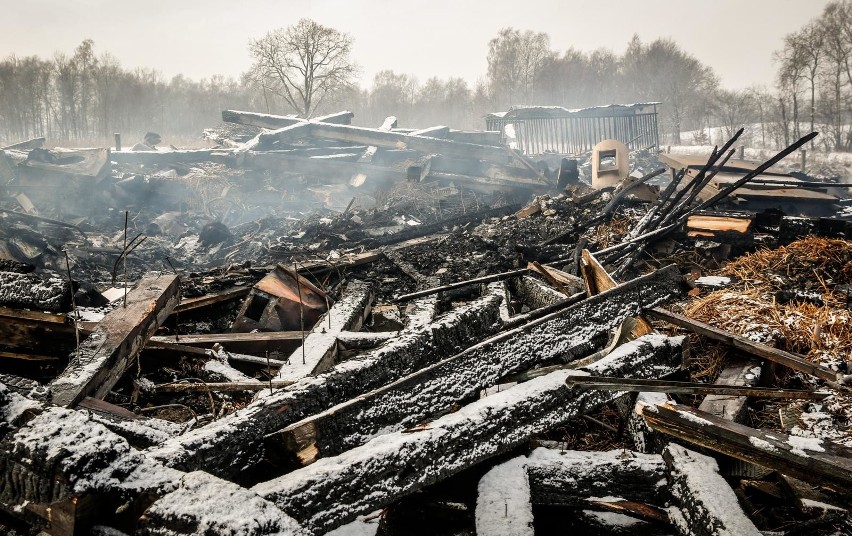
{"x": 319, "y": 328}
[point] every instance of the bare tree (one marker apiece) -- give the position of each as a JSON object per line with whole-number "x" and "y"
{"x": 303, "y": 64}
{"x": 514, "y": 62}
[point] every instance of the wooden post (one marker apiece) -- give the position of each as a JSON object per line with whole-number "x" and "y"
{"x": 117, "y": 141}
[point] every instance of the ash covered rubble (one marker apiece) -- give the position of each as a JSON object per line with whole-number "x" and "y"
{"x": 318, "y": 328}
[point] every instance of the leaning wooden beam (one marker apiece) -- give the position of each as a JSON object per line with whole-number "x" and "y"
{"x": 227, "y": 446}
{"x": 34, "y": 143}
{"x": 775, "y": 355}
{"x": 561, "y": 336}
{"x": 693, "y": 388}
{"x": 321, "y": 496}
{"x": 439, "y": 131}
{"x": 319, "y": 350}
{"x": 199, "y": 302}
{"x": 597, "y": 279}
{"x": 812, "y": 460}
{"x": 116, "y": 341}
{"x": 708, "y": 505}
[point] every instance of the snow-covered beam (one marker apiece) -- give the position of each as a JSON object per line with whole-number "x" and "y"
{"x": 117, "y": 340}
{"x": 319, "y": 350}
{"x": 564, "y": 335}
{"x": 570, "y": 477}
{"x": 64, "y": 471}
{"x": 204, "y": 504}
{"x": 228, "y": 445}
{"x": 335, "y": 490}
{"x": 708, "y": 505}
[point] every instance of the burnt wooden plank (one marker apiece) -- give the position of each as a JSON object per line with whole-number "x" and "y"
{"x": 819, "y": 462}
{"x": 116, "y": 341}
{"x": 775, "y": 355}
{"x": 318, "y": 352}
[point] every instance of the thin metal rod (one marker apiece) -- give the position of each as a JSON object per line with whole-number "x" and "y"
{"x": 124, "y": 249}
{"x": 301, "y": 310}
{"x": 76, "y": 317}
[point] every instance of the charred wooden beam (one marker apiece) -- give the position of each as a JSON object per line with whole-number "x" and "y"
{"x": 708, "y": 505}
{"x": 321, "y": 496}
{"x": 812, "y": 460}
{"x": 204, "y": 504}
{"x": 29, "y": 291}
{"x": 393, "y": 140}
{"x": 693, "y": 388}
{"x": 775, "y": 355}
{"x": 597, "y": 279}
{"x": 246, "y": 343}
{"x": 65, "y": 472}
{"x": 34, "y": 143}
{"x": 318, "y": 351}
{"x": 439, "y": 131}
{"x": 227, "y": 446}
{"x": 561, "y": 336}
{"x": 254, "y": 119}
{"x": 568, "y": 477}
{"x": 200, "y": 302}
{"x": 460, "y": 284}
{"x": 164, "y": 158}
{"x": 116, "y": 341}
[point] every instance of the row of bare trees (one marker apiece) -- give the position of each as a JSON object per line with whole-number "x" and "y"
{"x": 84, "y": 98}
{"x": 815, "y": 77}
{"x": 307, "y": 68}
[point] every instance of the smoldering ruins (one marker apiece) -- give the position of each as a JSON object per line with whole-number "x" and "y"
{"x": 559, "y": 320}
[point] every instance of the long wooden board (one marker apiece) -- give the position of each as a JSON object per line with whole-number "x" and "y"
{"x": 116, "y": 341}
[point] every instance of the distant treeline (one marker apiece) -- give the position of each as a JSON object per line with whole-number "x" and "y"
{"x": 85, "y": 97}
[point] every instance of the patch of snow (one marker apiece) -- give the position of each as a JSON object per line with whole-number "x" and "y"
{"x": 714, "y": 281}
{"x": 762, "y": 444}
{"x": 801, "y": 444}
{"x": 694, "y": 418}
{"x": 503, "y": 506}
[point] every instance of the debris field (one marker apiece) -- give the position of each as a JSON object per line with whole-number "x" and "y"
{"x": 318, "y": 328}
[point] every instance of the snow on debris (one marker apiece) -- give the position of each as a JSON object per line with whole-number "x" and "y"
{"x": 89, "y": 456}
{"x": 216, "y": 506}
{"x": 801, "y": 444}
{"x": 685, "y": 415}
{"x": 762, "y": 444}
{"x": 503, "y": 506}
{"x": 708, "y": 492}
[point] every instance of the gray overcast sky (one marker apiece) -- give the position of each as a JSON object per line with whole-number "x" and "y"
{"x": 420, "y": 37}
